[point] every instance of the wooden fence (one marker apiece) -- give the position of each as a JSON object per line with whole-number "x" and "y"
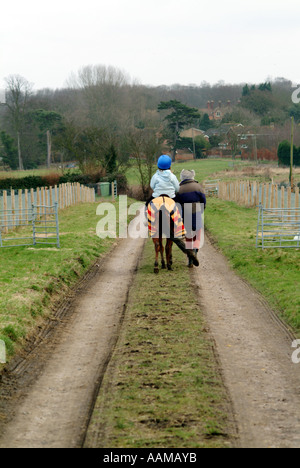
{"x": 64, "y": 195}
{"x": 253, "y": 194}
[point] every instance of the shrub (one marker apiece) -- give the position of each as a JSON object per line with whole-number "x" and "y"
{"x": 284, "y": 154}
{"x": 51, "y": 179}
{"x": 33, "y": 182}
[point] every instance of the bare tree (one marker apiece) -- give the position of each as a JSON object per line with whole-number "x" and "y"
{"x": 104, "y": 90}
{"x": 145, "y": 146}
{"x": 98, "y": 75}
{"x": 17, "y": 94}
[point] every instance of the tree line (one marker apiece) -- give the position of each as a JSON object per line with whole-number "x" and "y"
{"x": 102, "y": 119}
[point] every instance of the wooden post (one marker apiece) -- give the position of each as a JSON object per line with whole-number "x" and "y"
{"x": 272, "y": 195}
{"x": 26, "y": 206}
{"x": 38, "y": 201}
{"x": 13, "y": 207}
{"x": 32, "y": 196}
{"x": 276, "y": 196}
{"x": 282, "y": 197}
{"x": 267, "y": 195}
{"x": 289, "y": 199}
{"x": 297, "y": 201}
{"x": 257, "y": 194}
{"x": 262, "y": 194}
{"x": 252, "y": 194}
{"x": 247, "y": 194}
{"x": 62, "y": 196}
{"x": 5, "y": 211}
{"x": 292, "y": 155}
{"x": 20, "y": 204}
{"x": 43, "y": 196}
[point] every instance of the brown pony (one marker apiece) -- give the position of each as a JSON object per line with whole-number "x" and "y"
{"x": 164, "y": 220}
{"x": 159, "y": 246}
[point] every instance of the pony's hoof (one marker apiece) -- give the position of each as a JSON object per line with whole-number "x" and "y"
{"x": 163, "y": 266}
{"x": 156, "y": 270}
{"x": 170, "y": 268}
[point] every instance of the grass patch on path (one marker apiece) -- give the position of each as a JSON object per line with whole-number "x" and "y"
{"x": 162, "y": 387}
{"x": 273, "y": 272}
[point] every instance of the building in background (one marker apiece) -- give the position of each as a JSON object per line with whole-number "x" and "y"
{"x": 216, "y": 111}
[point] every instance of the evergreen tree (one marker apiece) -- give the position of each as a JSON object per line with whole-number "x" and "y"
{"x": 8, "y": 152}
{"x": 246, "y": 90}
{"x": 179, "y": 117}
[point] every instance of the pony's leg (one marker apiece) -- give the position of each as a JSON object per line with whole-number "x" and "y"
{"x": 169, "y": 254}
{"x": 157, "y": 249}
{"x": 163, "y": 263}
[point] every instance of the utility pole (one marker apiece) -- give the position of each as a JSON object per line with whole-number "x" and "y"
{"x": 194, "y": 150}
{"x": 255, "y": 148}
{"x": 21, "y": 167}
{"x": 48, "y": 149}
{"x": 292, "y": 155}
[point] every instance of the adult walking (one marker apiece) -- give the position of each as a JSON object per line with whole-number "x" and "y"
{"x": 193, "y": 201}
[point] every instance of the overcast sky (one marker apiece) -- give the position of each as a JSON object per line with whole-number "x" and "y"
{"x": 156, "y": 42}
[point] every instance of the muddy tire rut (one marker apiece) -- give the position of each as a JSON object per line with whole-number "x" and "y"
{"x": 255, "y": 352}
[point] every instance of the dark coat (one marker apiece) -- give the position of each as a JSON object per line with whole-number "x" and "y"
{"x": 191, "y": 193}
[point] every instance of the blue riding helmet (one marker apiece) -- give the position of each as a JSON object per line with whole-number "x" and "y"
{"x": 164, "y": 162}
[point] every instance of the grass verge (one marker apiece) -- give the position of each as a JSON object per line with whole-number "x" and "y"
{"x": 275, "y": 273}
{"x": 33, "y": 280}
{"x": 162, "y": 387}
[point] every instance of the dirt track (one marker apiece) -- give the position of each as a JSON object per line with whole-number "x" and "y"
{"x": 255, "y": 352}
{"x": 55, "y": 410}
{"x": 61, "y": 377}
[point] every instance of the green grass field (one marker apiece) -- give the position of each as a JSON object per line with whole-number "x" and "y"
{"x": 204, "y": 168}
{"x": 28, "y": 173}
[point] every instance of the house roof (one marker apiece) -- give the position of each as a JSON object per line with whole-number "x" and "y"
{"x": 191, "y": 131}
{"x": 222, "y": 130}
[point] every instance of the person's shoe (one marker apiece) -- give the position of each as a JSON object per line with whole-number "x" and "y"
{"x": 181, "y": 244}
{"x": 192, "y": 257}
